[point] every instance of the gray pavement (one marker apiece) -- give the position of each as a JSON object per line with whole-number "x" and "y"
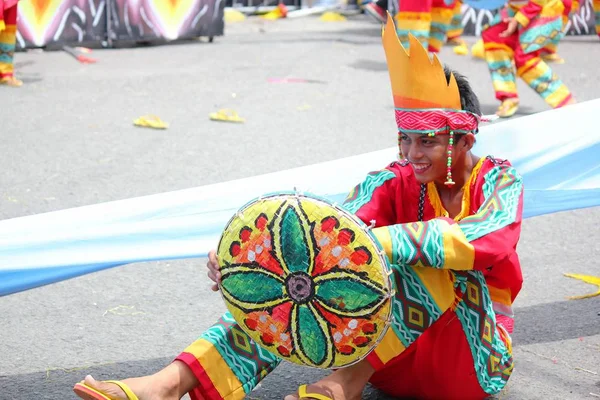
{"x": 67, "y": 140}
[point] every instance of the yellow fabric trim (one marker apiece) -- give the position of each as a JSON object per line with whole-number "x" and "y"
{"x": 435, "y": 43}
{"x": 459, "y": 252}
{"x": 440, "y": 14}
{"x": 2, "y": 25}
{"x": 385, "y": 240}
{"x": 531, "y": 73}
{"x": 10, "y": 31}
{"x": 389, "y": 347}
{"x": 553, "y": 9}
{"x": 6, "y": 68}
{"x": 439, "y": 283}
{"x": 414, "y": 15}
{"x": 436, "y": 202}
{"x": 505, "y": 86}
{"x": 497, "y": 52}
{"x": 224, "y": 380}
{"x": 413, "y": 24}
{"x": 498, "y": 295}
{"x": 522, "y": 19}
{"x": 558, "y": 96}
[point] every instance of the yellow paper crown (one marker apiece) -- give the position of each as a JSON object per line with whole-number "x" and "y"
{"x": 417, "y": 81}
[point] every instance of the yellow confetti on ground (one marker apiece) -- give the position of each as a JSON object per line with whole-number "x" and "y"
{"x": 123, "y": 310}
{"x": 75, "y": 369}
{"x": 592, "y": 280}
{"x": 331, "y": 16}
{"x": 231, "y": 15}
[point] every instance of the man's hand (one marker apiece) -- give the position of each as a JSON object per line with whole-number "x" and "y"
{"x": 213, "y": 270}
{"x": 513, "y": 24}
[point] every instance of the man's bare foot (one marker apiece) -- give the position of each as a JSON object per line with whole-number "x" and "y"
{"x": 144, "y": 388}
{"x": 343, "y": 384}
{"x": 171, "y": 383}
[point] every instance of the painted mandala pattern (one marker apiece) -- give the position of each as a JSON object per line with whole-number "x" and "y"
{"x": 305, "y": 280}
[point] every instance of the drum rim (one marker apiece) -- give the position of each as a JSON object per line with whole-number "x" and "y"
{"x": 387, "y": 269}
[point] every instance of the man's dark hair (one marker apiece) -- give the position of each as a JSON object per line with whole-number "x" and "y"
{"x": 468, "y": 98}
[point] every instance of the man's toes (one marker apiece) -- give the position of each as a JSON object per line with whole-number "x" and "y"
{"x": 291, "y": 397}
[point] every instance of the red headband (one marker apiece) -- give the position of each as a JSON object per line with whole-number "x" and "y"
{"x": 436, "y": 121}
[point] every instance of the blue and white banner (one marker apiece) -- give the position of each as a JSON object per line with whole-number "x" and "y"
{"x": 557, "y": 152}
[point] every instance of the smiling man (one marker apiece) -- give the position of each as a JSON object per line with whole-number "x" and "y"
{"x": 449, "y": 223}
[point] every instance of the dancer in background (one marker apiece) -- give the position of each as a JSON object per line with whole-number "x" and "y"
{"x": 412, "y": 16}
{"x": 8, "y": 40}
{"x": 515, "y": 38}
{"x": 442, "y": 15}
{"x": 549, "y": 52}
{"x": 454, "y": 36}
{"x": 430, "y": 21}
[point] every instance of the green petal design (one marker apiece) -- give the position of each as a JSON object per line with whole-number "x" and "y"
{"x": 309, "y": 333}
{"x": 254, "y": 288}
{"x": 291, "y": 240}
{"x": 348, "y": 294}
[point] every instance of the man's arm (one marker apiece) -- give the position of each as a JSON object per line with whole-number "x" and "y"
{"x": 528, "y": 11}
{"x": 476, "y": 242}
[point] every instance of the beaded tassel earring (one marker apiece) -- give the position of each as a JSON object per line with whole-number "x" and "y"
{"x": 400, "y": 156}
{"x": 449, "y": 181}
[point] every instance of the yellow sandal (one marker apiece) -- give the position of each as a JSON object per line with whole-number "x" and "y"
{"x": 151, "y": 121}
{"x": 508, "y": 108}
{"x": 11, "y": 81}
{"x": 226, "y": 115}
{"x": 304, "y": 394}
{"x": 89, "y": 393}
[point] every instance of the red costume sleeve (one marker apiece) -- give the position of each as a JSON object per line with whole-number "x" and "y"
{"x": 476, "y": 242}
{"x": 373, "y": 199}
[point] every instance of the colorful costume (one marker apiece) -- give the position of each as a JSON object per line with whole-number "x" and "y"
{"x": 456, "y": 28}
{"x": 413, "y": 17}
{"x": 442, "y": 16}
{"x": 8, "y": 39}
{"x": 540, "y": 24}
{"x": 549, "y": 52}
{"x": 455, "y": 278}
{"x": 433, "y": 22}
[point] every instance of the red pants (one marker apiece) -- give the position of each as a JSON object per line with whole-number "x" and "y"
{"x": 438, "y": 365}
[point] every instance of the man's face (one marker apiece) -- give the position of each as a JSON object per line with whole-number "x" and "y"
{"x": 428, "y": 155}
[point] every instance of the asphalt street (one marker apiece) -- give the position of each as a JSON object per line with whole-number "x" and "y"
{"x": 67, "y": 140}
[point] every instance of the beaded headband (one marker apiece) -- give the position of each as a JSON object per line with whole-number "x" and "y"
{"x": 438, "y": 121}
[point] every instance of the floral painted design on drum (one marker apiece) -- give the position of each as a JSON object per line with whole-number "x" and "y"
{"x": 304, "y": 281}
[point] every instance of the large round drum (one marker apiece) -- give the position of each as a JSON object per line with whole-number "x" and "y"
{"x": 305, "y": 279}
